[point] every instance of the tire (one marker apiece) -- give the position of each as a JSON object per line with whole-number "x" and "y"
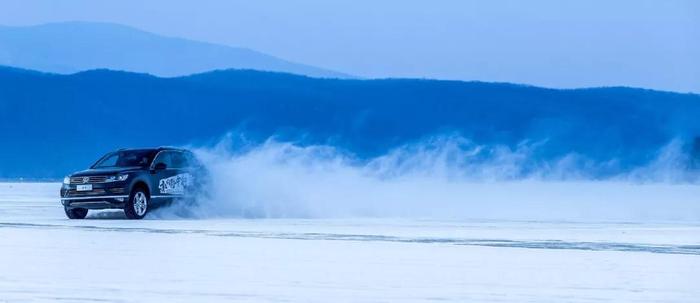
{"x": 138, "y": 204}
{"x": 75, "y": 213}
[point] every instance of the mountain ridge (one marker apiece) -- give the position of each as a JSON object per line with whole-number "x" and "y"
{"x": 281, "y": 73}
{"x": 80, "y": 116}
{"x": 69, "y": 47}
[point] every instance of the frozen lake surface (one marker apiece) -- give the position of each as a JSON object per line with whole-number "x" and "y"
{"x": 46, "y": 257}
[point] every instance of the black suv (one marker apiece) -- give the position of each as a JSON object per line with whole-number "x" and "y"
{"x": 135, "y": 180}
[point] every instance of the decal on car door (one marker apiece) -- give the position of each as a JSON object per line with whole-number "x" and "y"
{"x": 175, "y": 184}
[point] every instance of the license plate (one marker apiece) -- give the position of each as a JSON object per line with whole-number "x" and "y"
{"x": 84, "y": 187}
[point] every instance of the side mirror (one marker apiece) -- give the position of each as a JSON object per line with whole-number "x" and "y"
{"x": 160, "y": 166}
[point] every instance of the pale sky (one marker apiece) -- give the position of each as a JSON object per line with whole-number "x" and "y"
{"x": 641, "y": 43}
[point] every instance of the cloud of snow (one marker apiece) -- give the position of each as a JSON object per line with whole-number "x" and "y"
{"x": 440, "y": 178}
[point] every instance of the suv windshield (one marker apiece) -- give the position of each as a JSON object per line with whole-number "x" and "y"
{"x": 126, "y": 158}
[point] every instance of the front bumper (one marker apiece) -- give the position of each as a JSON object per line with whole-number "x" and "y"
{"x": 95, "y": 202}
{"x": 103, "y": 196}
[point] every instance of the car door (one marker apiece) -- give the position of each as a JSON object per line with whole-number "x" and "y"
{"x": 165, "y": 176}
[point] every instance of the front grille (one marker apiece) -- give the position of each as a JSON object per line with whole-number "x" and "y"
{"x": 90, "y": 179}
{"x": 75, "y": 193}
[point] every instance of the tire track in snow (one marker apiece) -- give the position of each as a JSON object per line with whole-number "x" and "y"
{"x": 689, "y": 249}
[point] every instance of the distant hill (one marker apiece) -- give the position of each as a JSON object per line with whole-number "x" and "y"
{"x": 52, "y": 124}
{"x": 76, "y": 46}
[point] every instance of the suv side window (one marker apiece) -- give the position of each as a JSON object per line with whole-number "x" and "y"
{"x": 178, "y": 159}
{"x": 164, "y": 157}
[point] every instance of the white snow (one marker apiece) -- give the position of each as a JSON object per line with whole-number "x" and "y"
{"x": 46, "y": 257}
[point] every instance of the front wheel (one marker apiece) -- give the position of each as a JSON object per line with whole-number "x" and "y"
{"x": 75, "y": 213}
{"x": 137, "y": 206}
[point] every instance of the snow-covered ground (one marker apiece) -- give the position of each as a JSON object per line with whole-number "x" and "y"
{"x": 46, "y": 257}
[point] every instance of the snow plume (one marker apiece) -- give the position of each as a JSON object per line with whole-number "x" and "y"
{"x": 441, "y": 178}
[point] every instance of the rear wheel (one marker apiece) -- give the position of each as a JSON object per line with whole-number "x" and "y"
{"x": 137, "y": 207}
{"x": 75, "y": 213}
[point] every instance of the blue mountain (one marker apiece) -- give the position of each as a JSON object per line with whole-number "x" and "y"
{"x": 51, "y": 124}
{"x": 71, "y": 47}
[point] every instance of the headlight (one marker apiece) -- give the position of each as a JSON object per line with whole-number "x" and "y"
{"x": 116, "y": 178}
{"x": 66, "y": 180}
